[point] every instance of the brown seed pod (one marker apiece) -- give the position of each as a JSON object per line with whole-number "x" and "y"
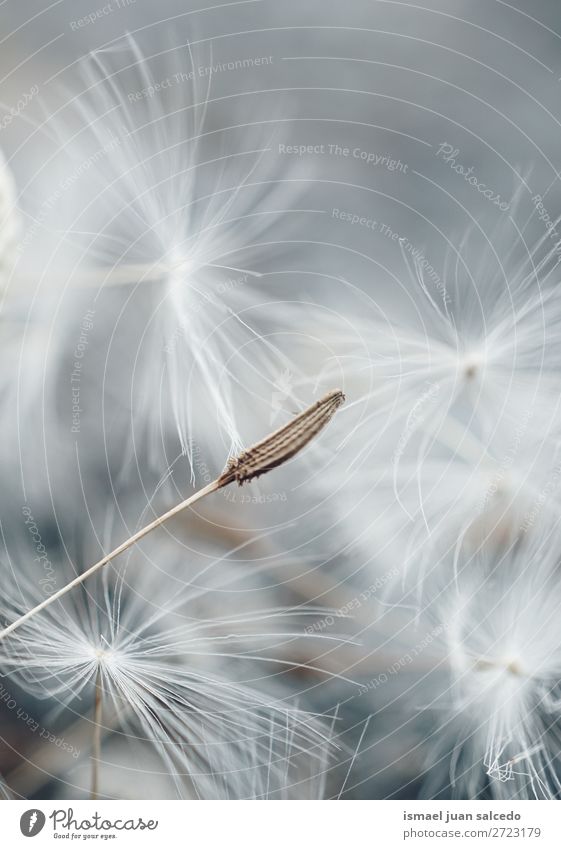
{"x": 283, "y": 443}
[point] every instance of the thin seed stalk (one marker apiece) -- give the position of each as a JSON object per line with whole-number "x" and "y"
{"x": 276, "y": 449}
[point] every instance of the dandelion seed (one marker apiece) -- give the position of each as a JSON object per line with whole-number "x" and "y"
{"x": 173, "y": 215}
{"x": 499, "y": 703}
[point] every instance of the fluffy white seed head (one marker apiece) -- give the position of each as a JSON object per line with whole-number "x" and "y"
{"x": 174, "y": 209}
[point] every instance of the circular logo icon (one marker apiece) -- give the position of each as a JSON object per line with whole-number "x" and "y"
{"x": 31, "y": 822}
